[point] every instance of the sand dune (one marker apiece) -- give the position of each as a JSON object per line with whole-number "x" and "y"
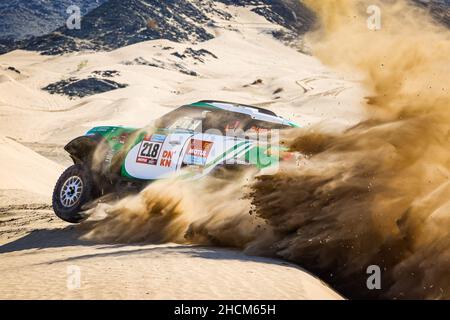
{"x": 24, "y": 169}
{"x": 145, "y": 272}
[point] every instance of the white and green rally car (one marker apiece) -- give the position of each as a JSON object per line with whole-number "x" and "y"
{"x": 192, "y": 141}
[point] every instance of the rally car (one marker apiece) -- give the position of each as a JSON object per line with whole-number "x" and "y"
{"x": 191, "y": 141}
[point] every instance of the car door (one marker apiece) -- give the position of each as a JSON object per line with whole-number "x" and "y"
{"x": 203, "y": 152}
{"x": 155, "y": 156}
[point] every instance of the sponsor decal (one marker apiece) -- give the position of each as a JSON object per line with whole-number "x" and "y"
{"x": 197, "y": 152}
{"x": 122, "y": 138}
{"x": 149, "y": 150}
{"x": 259, "y": 130}
{"x": 166, "y": 159}
{"x": 158, "y": 137}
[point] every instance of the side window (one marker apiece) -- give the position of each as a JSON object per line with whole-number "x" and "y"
{"x": 258, "y": 126}
{"x": 225, "y": 121}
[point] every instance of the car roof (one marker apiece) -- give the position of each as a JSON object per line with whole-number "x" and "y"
{"x": 253, "y": 111}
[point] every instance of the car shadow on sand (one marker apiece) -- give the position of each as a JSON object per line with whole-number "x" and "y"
{"x": 44, "y": 239}
{"x": 195, "y": 251}
{"x": 70, "y": 236}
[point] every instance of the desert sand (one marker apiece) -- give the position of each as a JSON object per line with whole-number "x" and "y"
{"x": 36, "y": 249}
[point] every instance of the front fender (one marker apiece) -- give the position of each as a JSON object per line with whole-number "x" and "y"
{"x": 82, "y": 149}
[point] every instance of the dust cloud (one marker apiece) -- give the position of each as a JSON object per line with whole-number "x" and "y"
{"x": 378, "y": 193}
{"x": 210, "y": 211}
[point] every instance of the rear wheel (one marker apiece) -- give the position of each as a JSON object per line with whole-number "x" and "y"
{"x": 72, "y": 191}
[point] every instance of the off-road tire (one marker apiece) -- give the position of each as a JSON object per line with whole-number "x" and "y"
{"x": 63, "y": 208}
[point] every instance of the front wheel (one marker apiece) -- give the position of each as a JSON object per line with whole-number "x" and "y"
{"x": 72, "y": 191}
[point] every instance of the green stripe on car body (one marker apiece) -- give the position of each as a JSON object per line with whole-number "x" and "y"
{"x": 226, "y": 153}
{"x": 202, "y": 105}
{"x": 221, "y": 157}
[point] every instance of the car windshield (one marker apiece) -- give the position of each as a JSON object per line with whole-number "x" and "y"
{"x": 201, "y": 119}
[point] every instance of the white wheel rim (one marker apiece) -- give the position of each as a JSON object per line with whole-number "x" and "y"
{"x": 71, "y": 191}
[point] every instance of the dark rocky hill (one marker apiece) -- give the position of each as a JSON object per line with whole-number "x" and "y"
{"x": 117, "y": 23}
{"x": 22, "y": 19}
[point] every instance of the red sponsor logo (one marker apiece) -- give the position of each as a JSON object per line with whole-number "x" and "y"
{"x": 166, "y": 159}
{"x": 199, "y": 148}
{"x": 123, "y": 138}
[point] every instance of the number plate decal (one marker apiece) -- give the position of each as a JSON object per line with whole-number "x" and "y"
{"x": 150, "y": 149}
